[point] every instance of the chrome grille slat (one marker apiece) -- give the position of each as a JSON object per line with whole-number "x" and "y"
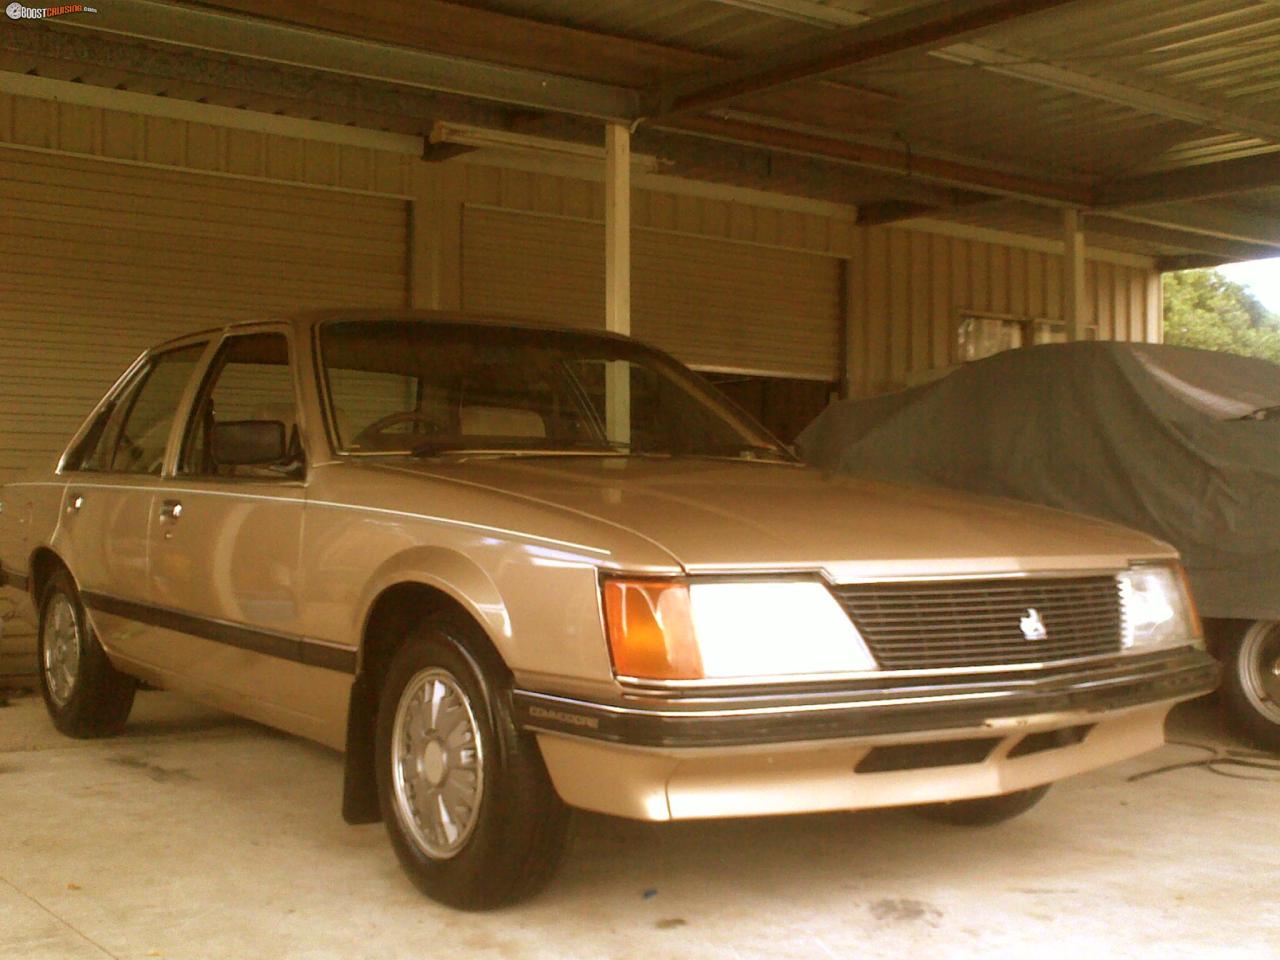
{"x": 918, "y": 626}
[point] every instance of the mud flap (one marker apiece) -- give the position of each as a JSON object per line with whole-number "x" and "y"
{"x": 359, "y": 783}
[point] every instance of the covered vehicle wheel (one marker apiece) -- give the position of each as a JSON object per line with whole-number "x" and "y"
{"x": 984, "y": 811}
{"x": 86, "y": 696}
{"x": 1251, "y": 685}
{"x": 465, "y": 795}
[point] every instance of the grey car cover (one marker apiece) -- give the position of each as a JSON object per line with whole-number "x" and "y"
{"x": 1172, "y": 441}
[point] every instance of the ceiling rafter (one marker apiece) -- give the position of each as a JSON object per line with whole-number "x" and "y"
{"x": 1198, "y": 107}
{"x": 952, "y": 173}
{"x": 458, "y": 30}
{"x": 929, "y": 27}
{"x": 1178, "y": 238}
{"x": 1192, "y": 183}
{"x": 1211, "y": 220}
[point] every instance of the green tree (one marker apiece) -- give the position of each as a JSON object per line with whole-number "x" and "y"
{"x": 1204, "y": 309}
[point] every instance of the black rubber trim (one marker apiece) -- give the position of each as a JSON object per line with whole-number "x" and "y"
{"x": 281, "y": 645}
{"x": 9, "y": 578}
{"x": 950, "y": 704}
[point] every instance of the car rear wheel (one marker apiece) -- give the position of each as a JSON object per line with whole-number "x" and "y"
{"x": 1251, "y": 687}
{"x": 85, "y": 695}
{"x": 465, "y": 795}
{"x": 984, "y": 811}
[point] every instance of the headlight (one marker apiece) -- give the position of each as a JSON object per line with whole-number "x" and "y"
{"x": 724, "y": 630}
{"x": 1157, "y": 607}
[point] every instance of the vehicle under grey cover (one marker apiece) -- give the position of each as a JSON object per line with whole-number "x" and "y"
{"x": 1173, "y": 441}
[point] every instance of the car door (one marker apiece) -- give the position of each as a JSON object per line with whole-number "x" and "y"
{"x": 111, "y": 479}
{"x": 226, "y": 543}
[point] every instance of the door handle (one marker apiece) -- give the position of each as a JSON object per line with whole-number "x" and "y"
{"x": 171, "y": 510}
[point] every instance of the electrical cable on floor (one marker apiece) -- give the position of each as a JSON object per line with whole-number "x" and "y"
{"x": 1219, "y": 758}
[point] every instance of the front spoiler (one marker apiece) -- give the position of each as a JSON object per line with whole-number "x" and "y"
{"x": 885, "y": 706}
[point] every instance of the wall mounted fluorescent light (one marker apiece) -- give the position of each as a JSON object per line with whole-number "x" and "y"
{"x": 483, "y": 138}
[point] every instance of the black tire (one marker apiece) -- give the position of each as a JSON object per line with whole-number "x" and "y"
{"x": 86, "y": 696}
{"x": 984, "y": 811}
{"x": 1251, "y": 683}
{"x": 513, "y": 834}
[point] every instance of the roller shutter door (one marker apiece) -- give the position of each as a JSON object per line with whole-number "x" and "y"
{"x": 533, "y": 268}
{"x": 712, "y": 303}
{"x": 100, "y": 260}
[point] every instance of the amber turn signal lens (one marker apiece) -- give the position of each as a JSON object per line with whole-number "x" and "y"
{"x": 650, "y": 629}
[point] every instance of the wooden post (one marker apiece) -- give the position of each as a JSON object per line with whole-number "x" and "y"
{"x": 1074, "y": 311}
{"x": 617, "y": 273}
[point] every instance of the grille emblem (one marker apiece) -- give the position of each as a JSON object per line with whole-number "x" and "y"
{"x": 1032, "y": 626}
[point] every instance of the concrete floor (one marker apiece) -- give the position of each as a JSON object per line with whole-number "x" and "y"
{"x": 199, "y": 836}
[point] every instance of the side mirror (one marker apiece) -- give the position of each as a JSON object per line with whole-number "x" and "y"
{"x": 248, "y": 443}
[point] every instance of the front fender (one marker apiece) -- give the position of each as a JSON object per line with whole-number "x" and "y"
{"x": 448, "y": 571}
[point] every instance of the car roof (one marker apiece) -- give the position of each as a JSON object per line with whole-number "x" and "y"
{"x": 304, "y": 320}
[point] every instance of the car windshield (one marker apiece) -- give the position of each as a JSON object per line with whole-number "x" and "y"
{"x": 427, "y": 388}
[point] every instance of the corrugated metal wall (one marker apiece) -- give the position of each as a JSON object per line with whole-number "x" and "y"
{"x": 903, "y": 288}
{"x": 906, "y": 285}
{"x": 93, "y": 131}
{"x": 714, "y": 303}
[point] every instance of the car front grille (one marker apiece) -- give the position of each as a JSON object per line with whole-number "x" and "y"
{"x": 928, "y": 625}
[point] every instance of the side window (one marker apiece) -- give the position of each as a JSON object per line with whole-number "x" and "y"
{"x": 130, "y": 436}
{"x": 249, "y": 380}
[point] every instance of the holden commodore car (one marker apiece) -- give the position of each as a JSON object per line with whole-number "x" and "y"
{"x": 1181, "y": 443}
{"x": 514, "y": 570}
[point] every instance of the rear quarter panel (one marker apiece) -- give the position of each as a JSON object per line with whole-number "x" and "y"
{"x": 29, "y": 520}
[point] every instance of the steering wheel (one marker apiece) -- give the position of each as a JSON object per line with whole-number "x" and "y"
{"x": 374, "y": 432}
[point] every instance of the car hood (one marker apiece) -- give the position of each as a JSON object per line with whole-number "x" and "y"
{"x": 714, "y": 515}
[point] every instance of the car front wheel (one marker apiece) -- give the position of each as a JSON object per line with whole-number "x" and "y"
{"x": 1251, "y": 687}
{"x": 465, "y": 796}
{"x": 85, "y": 695}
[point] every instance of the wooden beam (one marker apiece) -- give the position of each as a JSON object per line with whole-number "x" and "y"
{"x": 1192, "y": 183}
{"x": 924, "y": 168}
{"x": 893, "y": 211}
{"x": 925, "y": 28}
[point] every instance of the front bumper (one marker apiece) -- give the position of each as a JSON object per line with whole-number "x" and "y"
{"x": 886, "y": 742}
{"x": 880, "y": 706}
